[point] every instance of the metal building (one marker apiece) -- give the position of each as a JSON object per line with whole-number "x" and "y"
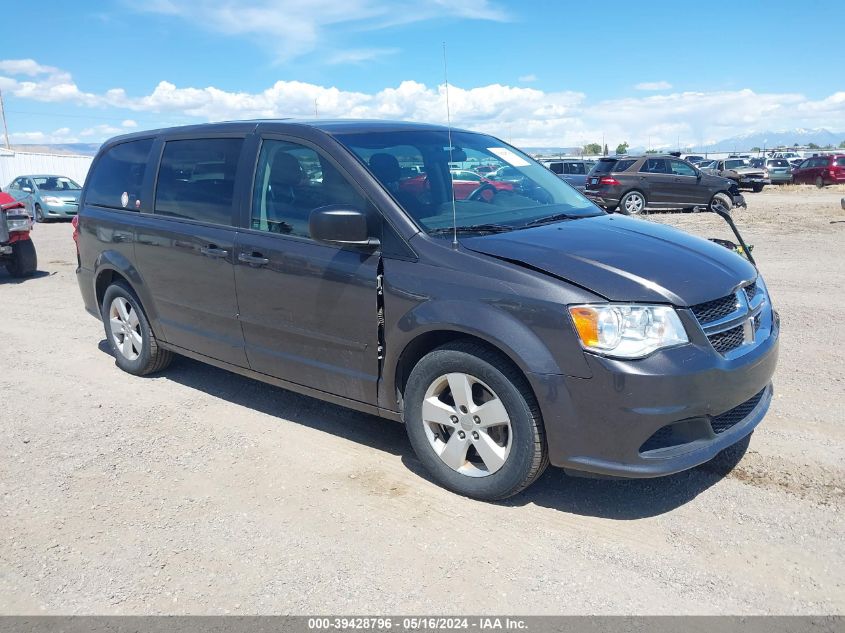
{"x": 14, "y": 164}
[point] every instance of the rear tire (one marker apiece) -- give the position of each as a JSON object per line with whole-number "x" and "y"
{"x": 131, "y": 339}
{"x": 24, "y": 259}
{"x": 500, "y": 449}
{"x": 632, "y": 203}
{"x": 819, "y": 182}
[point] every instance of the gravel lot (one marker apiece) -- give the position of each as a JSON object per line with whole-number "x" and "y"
{"x": 198, "y": 491}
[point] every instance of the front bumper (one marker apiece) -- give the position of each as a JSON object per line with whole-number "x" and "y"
{"x": 778, "y": 179}
{"x": 60, "y": 210}
{"x": 607, "y": 424}
{"x": 751, "y": 181}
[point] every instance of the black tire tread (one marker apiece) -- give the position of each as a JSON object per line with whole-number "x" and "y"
{"x": 24, "y": 261}
{"x": 159, "y": 358}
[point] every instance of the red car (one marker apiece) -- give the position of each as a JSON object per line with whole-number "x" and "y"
{"x": 464, "y": 182}
{"x": 821, "y": 170}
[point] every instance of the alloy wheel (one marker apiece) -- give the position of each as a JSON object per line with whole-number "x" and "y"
{"x": 634, "y": 204}
{"x": 125, "y": 328}
{"x": 467, "y": 424}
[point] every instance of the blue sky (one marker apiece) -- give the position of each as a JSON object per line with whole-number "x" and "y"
{"x": 534, "y": 72}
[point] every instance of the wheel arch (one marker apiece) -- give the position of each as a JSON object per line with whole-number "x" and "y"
{"x": 111, "y": 266}
{"x": 427, "y": 342}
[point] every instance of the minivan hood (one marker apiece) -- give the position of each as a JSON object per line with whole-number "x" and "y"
{"x": 623, "y": 259}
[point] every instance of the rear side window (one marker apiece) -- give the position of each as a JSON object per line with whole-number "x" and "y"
{"x": 118, "y": 176}
{"x": 839, "y": 162}
{"x": 623, "y": 165}
{"x": 654, "y": 166}
{"x": 196, "y": 180}
{"x": 575, "y": 168}
{"x": 604, "y": 166}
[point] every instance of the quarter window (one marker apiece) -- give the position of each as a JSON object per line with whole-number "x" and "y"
{"x": 118, "y": 176}
{"x": 196, "y": 180}
{"x": 291, "y": 181}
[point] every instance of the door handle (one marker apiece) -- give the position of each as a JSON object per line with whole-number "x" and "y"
{"x": 213, "y": 251}
{"x": 256, "y": 259}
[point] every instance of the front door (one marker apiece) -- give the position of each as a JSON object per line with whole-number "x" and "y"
{"x": 185, "y": 250}
{"x": 308, "y": 310}
{"x": 685, "y": 185}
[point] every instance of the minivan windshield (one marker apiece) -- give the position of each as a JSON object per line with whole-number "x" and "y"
{"x": 422, "y": 171}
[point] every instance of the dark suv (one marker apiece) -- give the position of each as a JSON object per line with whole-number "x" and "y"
{"x": 631, "y": 184}
{"x": 507, "y": 329}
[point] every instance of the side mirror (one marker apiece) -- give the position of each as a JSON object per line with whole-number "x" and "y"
{"x": 337, "y": 224}
{"x": 27, "y": 189}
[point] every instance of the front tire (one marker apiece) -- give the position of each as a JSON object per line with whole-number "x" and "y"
{"x": 131, "y": 339}
{"x": 757, "y": 188}
{"x": 632, "y": 203}
{"x": 721, "y": 200}
{"x": 39, "y": 213}
{"x": 24, "y": 259}
{"x": 474, "y": 422}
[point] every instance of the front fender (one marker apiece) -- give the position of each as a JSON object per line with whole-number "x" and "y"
{"x": 487, "y": 322}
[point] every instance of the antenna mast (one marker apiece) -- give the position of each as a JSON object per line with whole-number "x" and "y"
{"x": 3, "y": 116}
{"x": 448, "y": 167}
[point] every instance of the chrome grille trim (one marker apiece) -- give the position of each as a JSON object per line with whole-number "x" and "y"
{"x": 736, "y": 332}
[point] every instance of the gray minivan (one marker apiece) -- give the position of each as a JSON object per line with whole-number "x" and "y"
{"x": 510, "y": 328}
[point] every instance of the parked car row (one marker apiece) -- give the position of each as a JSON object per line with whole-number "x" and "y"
{"x": 776, "y": 168}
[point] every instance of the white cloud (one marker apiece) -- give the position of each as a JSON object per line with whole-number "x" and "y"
{"x": 25, "y": 67}
{"x": 101, "y": 131}
{"x": 525, "y": 79}
{"x": 60, "y": 136}
{"x": 292, "y": 28}
{"x": 525, "y": 116}
{"x": 653, "y": 85}
{"x": 360, "y": 55}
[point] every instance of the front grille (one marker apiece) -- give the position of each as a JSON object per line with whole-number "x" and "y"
{"x": 751, "y": 290}
{"x": 729, "y": 419}
{"x": 710, "y": 311}
{"x": 728, "y": 340}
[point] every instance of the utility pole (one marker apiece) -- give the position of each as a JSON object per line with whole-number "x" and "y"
{"x": 3, "y": 115}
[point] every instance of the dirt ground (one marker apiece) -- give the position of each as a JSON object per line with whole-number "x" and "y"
{"x": 197, "y": 491}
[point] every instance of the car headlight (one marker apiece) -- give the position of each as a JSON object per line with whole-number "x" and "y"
{"x": 627, "y": 331}
{"x": 53, "y": 200}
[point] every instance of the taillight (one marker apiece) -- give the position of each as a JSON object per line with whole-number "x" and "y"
{"x": 609, "y": 180}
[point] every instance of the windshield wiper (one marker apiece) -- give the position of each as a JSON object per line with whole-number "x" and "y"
{"x": 474, "y": 228}
{"x": 557, "y": 217}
